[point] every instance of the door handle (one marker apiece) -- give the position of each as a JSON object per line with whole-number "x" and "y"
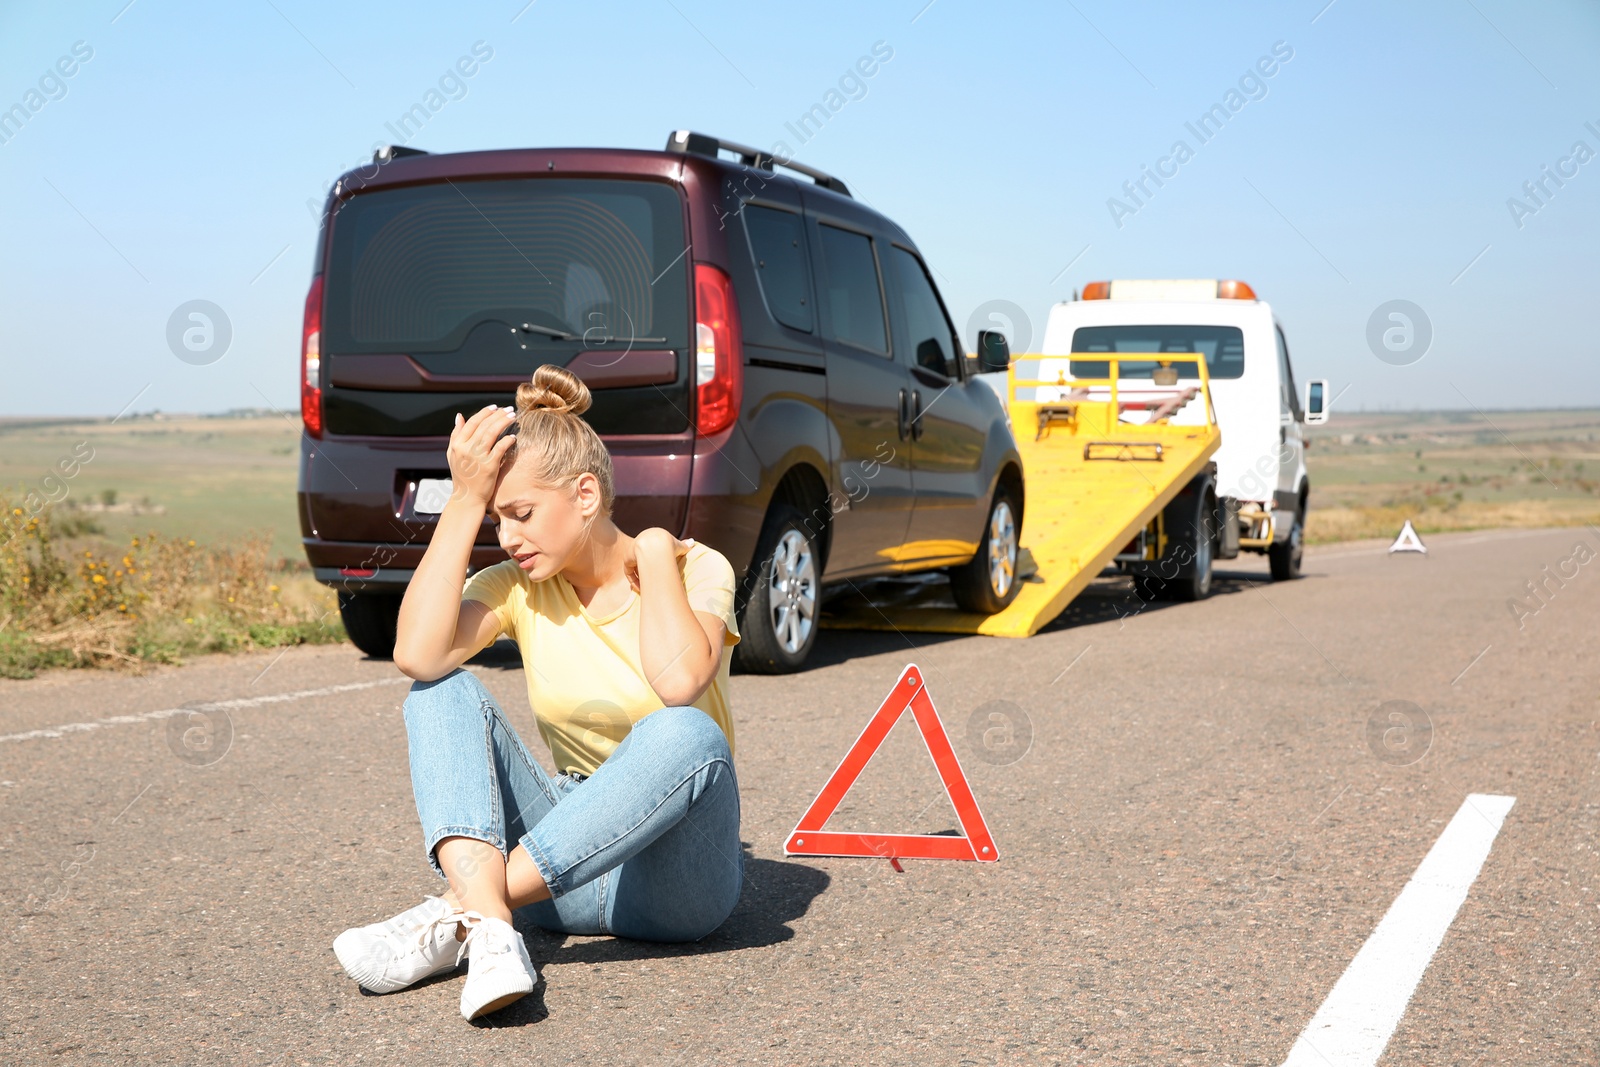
{"x": 902, "y": 426}
{"x": 916, "y": 417}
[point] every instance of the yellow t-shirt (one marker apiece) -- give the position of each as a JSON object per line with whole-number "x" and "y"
{"x": 586, "y": 684}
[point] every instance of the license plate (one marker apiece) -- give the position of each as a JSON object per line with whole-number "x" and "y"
{"x": 432, "y": 495}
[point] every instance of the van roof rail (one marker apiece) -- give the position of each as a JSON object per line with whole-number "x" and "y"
{"x": 700, "y": 144}
{"x": 389, "y": 152}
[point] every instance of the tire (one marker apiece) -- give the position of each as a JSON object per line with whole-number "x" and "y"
{"x": 370, "y": 620}
{"x": 783, "y": 606}
{"x": 1184, "y": 573}
{"x": 1194, "y": 581}
{"x": 1284, "y": 558}
{"x": 988, "y": 582}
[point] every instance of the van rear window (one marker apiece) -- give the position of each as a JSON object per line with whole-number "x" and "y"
{"x": 1222, "y": 346}
{"x": 561, "y": 262}
{"x": 778, "y": 240}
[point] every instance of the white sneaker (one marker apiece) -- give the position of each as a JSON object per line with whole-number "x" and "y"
{"x": 413, "y": 945}
{"x": 500, "y": 971}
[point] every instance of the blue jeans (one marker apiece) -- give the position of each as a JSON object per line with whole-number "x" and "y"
{"x": 647, "y": 847}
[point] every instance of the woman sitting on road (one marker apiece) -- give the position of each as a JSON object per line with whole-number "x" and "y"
{"x": 626, "y": 643}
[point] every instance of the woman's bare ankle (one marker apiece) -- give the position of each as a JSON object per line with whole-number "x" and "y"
{"x": 462, "y": 928}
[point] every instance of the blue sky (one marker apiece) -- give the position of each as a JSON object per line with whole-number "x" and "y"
{"x": 1376, "y": 163}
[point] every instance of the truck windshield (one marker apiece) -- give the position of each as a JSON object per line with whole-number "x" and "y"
{"x": 561, "y": 263}
{"x": 1222, "y": 346}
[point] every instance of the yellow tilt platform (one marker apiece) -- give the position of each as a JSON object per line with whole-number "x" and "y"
{"x": 1091, "y": 484}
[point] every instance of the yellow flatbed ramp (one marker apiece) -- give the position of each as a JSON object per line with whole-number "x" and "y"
{"x": 1091, "y": 484}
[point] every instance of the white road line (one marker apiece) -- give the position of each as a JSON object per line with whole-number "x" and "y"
{"x": 1355, "y": 1023}
{"x": 211, "y": 705}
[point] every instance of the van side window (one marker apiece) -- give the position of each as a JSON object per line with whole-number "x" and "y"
{"x": 855, "y": 297}
{"x": 778, "y": 243}
{"x": 1290, "y": 398}
{"x": 929, "y": 338}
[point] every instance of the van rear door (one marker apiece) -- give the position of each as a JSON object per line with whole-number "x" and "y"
{"x": 444, "y": 296}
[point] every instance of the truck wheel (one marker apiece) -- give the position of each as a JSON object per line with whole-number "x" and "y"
{"x": 1184, "y": 573}
{"x": 778, "y": 626}
{"x": 1285, "y": 558}
{"x": 988, "y": 582}
{"x": 1194, "y": 581}
{"x": 370, "y": 619}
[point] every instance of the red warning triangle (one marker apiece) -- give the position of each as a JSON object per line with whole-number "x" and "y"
{"x": 810, "y": 839}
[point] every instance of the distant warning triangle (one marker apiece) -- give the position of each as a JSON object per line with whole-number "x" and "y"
{"x": 1408, "y": 541}
{"x": 810, "y": 839}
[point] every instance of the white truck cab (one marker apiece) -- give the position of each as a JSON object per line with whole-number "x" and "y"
{"x": 1261, "y": 483}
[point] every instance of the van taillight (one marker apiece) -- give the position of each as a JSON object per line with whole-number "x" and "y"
{"x": 311, "y": 361}
{"x": 718, "y": 354}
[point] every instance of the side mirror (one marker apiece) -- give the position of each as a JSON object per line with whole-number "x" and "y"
{"x": 1316, "y": 401}
{"x": 994, "y": 353}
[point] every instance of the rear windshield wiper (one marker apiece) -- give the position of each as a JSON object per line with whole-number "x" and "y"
{"x": 587, "y": 337}
{"x": 548, "y": 331}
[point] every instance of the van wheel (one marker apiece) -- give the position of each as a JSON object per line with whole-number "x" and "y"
{"x": 988, "y": 582}
{"x": 778, "y": 626}
{"x": 370, "y": 620}
{"x": 1285, "y": 558}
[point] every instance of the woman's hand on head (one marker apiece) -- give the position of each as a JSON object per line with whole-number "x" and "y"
{"x": 477, "y": 447}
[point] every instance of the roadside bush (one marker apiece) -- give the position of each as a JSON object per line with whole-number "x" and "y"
{"x": 72, "y": 602}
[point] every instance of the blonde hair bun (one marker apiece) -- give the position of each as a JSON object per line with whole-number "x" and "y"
{"x": 553, "y": 389}
{"x": 553, "y": 444}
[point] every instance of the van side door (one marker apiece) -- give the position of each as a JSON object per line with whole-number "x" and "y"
{"x": 950, "y": 419}
{"x": 868, "y": 402}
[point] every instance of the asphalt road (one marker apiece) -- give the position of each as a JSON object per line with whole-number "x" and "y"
{"x": 1201, "y": 811}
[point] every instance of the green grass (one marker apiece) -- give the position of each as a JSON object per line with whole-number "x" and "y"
{"x": 219, "y": 480}
{"x": 219, "y": 492}
{"x": 1452, "y": 471}
{"x": 80, "y": 600}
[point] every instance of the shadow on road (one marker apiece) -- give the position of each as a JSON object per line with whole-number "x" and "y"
{"x": 775, "y": 894}
{"x": 1111, "y": 597}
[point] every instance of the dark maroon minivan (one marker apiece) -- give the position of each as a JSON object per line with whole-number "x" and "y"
{"x": 773, "y": 371}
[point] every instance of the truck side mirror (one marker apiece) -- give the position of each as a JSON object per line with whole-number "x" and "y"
{"x": 994, "y": 353}
{"x": 1316, "y": 401}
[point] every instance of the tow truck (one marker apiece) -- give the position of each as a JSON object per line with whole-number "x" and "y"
{"x": 1119, "y": 424}
{"x": 1262, "y": 486}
